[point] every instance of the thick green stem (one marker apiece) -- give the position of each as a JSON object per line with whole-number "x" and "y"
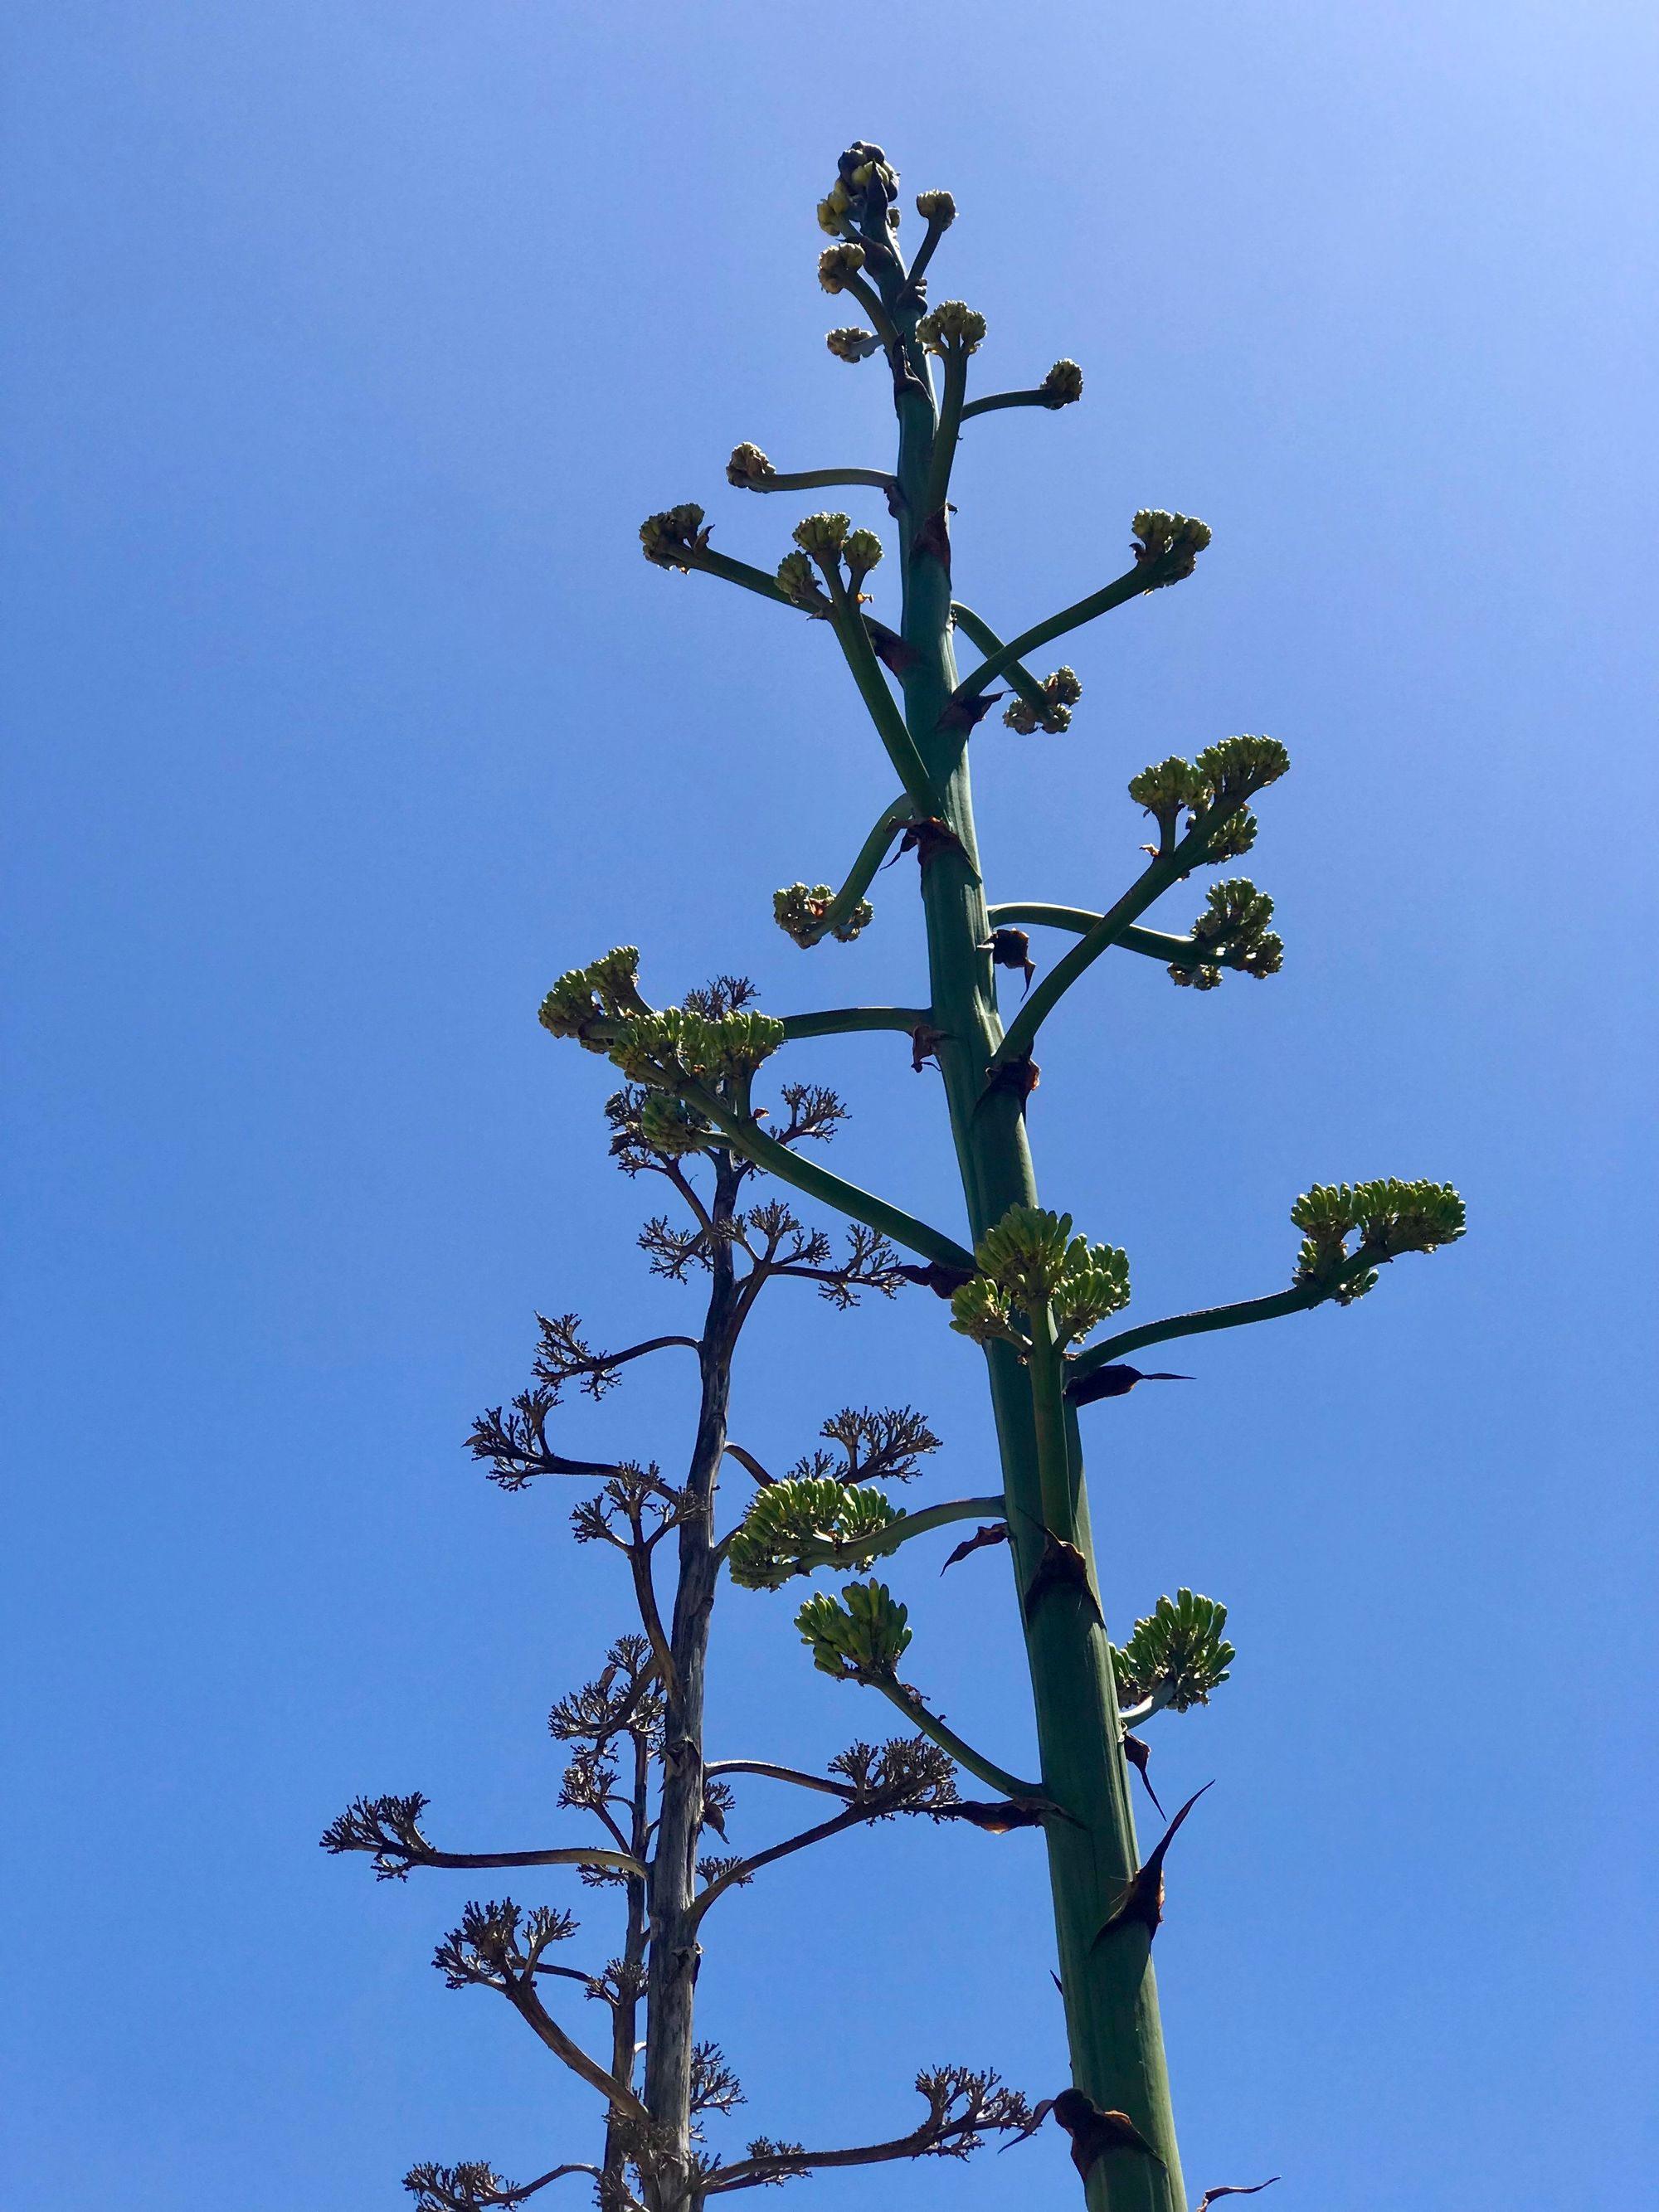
{"x": 816, "y": 479}
{"x": 1111, "y": 1998}
{"x": 1035, "y": 398}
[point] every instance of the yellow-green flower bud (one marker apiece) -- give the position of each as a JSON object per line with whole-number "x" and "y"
{"x": 1177, "y": 1654}
{"x": 1165, "y": 789}
{"x": 937, "y": 208}
{"x": 1182, "y": 536}
{"x": 822, "y": 536}
{"x": 1064, "y": 687}
{"x": 668, "y": 538}
{"x": 748, "y": 467}
{"x": 979, "y": 1310}
{"x": 1391, "y": 1216}
{"x": 1063, "y": 384}
{"x": 1238, "y": 768}
{"x": 852, "y": 343}
{"x": 952, "y": 327}
{"x": 837, "y": 262}
{"x": 1062, "y": 691}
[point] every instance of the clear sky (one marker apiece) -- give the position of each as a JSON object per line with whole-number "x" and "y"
{"x": 347, "y": 343}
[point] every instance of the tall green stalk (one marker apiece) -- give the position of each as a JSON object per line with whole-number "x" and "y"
{"x": 1026, "y": 1291}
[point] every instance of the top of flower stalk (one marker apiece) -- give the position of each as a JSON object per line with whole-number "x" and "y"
{"x": 937, "y": 208}
{"x": 747, "y": 467}
{"x": 837, "y": 262}
{"x": 867, "y": 178}
{"x": 953, "y": 326}
{"x": 1063, "y": 384}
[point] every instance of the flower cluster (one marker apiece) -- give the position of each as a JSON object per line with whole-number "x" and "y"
{"x": 865, "y": 187}
{"x": 669, "y": 539}
{"x": 1387, "y": 1216}
{"x": 1233, "y": 927}
{"x": 668, "y": 1050}
{"x": 1178, "y": 538}
{"x": 862, "y": 1635}
{"x": 1212, "y": 792}
{"x": 606, "y": 990}
{"x": 1030, "y": 1262}
{"x": 799, "y": 911}
{"x": 748, "y": 467}
{"x": 1062, "y": 691}
{"x": 1063, "y": 385}
{"x": 953, "y": 327}
{"x": 838, "y": 264}
{"x": 1177, "y": 1654}
{"x": 790, "y": 1522}
{"x": 852, "y": 343}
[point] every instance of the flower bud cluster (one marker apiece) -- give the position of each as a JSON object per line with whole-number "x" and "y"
{"x": 937, "y": 208}
{"x": 789, "y": 1520}
{"x": 667, "y": 538}
{"x": 1177, "y": 1654}
{"x": 822, "y": 536}
{"x": 1212, "y": 791}
{"x": 1030, "y": 1261}
{"x": 952, "y": 327}
{"x": 799, "y": 911}
{"x": 674, "y": 1047}
{"x": 1233, "y": 927}
{"x": 800, "y": 581}
{"x": 748, "y": 467}
{"x": 1062, "y": 691}
{"x": 836, "y": 264}
{"x": 669, "y": 1128}
{"x": 606, "y": 990}
{"x": 1388, "y": 1217}
{"x": 1157, "y": 535}
{"x": 1063, "y": 385}
{"x": 852, "y": 343}
{"x": 858, "y": 1635}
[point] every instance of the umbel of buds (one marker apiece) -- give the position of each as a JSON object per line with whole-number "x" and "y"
{"x": 1062, "y": 691}
{"x": 1234, "y": 927}
{"x": 1030, "y": 1262}
{"x": 836, "y": 264}
{"x": 952, "y": 327}
{"x": 799, "y": 910}
{"x": 937, "y": 208}
{"x": 798, "y": 580}
{"x": 1177, "y": 1654}
{"x": 1063, "y": 385}
{"x": 822, "y": 536}
{"x": 789, "y": 1520}
{"x": 1212, "y": 792}
{"x": 865, "y": 187}
{"x": 852, "y": 343}
{"x": 606, "y": 990}
{"x": 1388, "y": 1217}
{"x": 859, "y": 1637}
{"x": 748, "y": 467}
{"x": 1182, "y": 537}
{"x": 667, "y": 538}
{"x": 674, "y": 1047}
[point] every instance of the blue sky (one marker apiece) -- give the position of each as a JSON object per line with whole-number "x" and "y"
{"x": 348, "y": 345}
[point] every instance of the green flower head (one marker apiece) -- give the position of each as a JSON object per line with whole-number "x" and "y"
{"x": 952, "y": 327}
{"x": 668, "y": 539}
{"x": 748, "y": 467}
{"x": 837, "y": 264}
{"x": 795, "y": 1526}
{"x": 859, "y": 1637}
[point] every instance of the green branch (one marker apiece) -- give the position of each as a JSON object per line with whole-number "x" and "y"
{"x": 848, "y": 624}
{"x": 843, "y": 1021}
{"x": 1145, "y": 576}
{"x": 862, "y": 873}
{"x": 1037, "y": 397}
{"x": 1153, "y": 881}
{"x": 1301, "y": 1299}
{"x": 883, "y": 1542}
{"x": 812, "y": 479}
{"x": 982, "y": 636}
{"x": 910, "y": 1703}
{"x": 1175, "y": 951}
{"x": 944, "y": 438}
{"x": 748, "y": 1138}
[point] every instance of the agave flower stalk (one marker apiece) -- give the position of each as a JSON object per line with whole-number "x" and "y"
{"x": 1021, "y": 1285}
